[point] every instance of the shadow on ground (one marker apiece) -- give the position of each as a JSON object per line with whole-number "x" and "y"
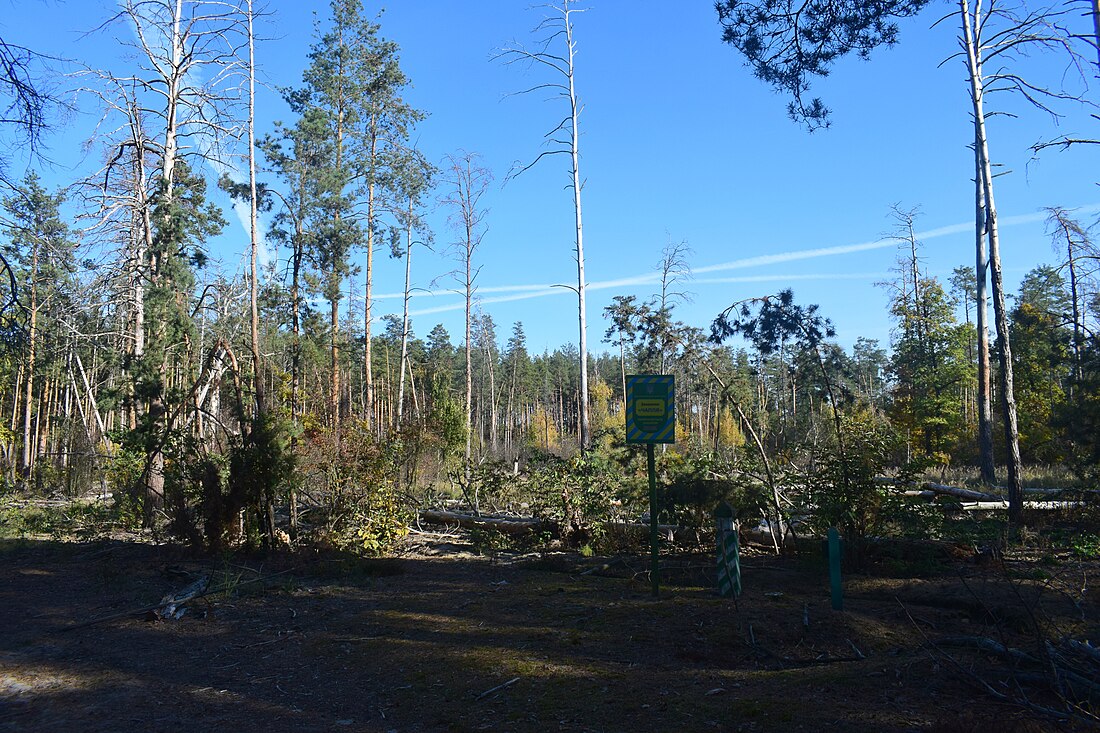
{"x": 446, "y": 642}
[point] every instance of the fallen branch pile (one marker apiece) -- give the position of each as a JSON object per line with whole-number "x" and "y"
{"x": 1069, "y": 671}
{"x": 971, "y": 499}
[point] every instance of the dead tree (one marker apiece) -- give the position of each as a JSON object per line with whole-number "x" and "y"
{"x": 556, "y": 32}
{"x": 466, "y": 182}
{"x": 1010, "y": 35}
{"x": 180, "y": 101}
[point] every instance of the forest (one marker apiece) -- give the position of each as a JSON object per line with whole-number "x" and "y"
{"x": 151, "y": 396}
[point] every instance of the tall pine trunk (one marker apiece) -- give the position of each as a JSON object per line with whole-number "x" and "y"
{"x": 27, "y": 461}
{"x": 981, "y": 306}
{"x": 972, "y": 42}
{"x": 405, "y": 317}
{"x": 368, "y": 370}
{"x": 585, "y": 439}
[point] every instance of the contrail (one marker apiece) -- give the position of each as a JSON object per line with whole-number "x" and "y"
{"x": 457, "y": 291}
{"x": 707, "y": 281}
{"x": 787, "y": 277}
{"x": 807, "y": 254}
{"x": 485, "y": 301}
{"x": 537, "y": 291}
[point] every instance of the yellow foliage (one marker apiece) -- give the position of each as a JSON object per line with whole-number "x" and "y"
{"x": 543, "y": 432}
{"x": 729, "y": 430}
{"x": 600, "y": 416}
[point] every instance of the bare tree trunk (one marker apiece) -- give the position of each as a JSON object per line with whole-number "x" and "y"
{"x": 574, "y": 107}
{"x": 622, "y": 364}
{"x": 981, "y": 307}
{"x": 254, "y": 236}
{"x": 142, "y": 243}
{"x": 492, "y": 398}
{"x": 469, "y": 365}
{"x": 368, "y": 374}
{"x": 93, "y": 407}
{"x": 157, "y": 410}
{"x": 268, "y": 497}
{"x": 972, "y": 43}
{"x": 405, "y": 318}
{"x": 27, "y": 462}
{"x": 334, "y": 315}
{"x": 1060, "y": 217}
{"x": 16, "y": 392}
{"x": 44, "y": 420}
{"x": 63, "y": 442}
{"x": 468, "y": 183}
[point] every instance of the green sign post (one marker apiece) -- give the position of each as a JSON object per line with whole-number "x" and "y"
{"x": 651, "y": 419}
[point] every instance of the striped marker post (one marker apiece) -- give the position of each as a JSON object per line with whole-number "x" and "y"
{"x": 729, "y": 551}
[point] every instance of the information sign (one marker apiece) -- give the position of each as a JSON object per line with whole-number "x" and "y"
{"x": 650, "y": 408}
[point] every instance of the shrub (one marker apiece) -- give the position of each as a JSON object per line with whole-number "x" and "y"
{"x": 843, "y": 492}
{"x": 356, "y": 491}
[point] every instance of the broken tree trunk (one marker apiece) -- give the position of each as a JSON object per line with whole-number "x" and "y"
{"x": 507, "y": 525}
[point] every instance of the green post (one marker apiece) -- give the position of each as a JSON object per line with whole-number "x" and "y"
{"x": 653, "y": 519}
{"x": 834, "y": 569}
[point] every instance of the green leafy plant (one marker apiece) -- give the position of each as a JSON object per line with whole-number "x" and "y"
{"x": 357, "y": 479}
{"x": 1086, "y": 545}
{"x": 843, "y": 492}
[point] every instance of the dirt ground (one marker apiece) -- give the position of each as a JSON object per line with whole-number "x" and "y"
{"x": 441, "y": 639}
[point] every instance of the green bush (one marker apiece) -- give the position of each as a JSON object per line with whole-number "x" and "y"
{"x": 842, "y": 492}
{"x": 359, "y": 501}
{"x": 82, "y": 520}
{"x": 580, "y": 494}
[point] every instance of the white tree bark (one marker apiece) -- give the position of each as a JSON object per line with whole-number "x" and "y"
{"x": 972, "y": 42}
{"x": 405, "y": 316}
{"x": 254, "y": 236}
{"x": 574, "y": 138}
{"x": 981, "y": 311}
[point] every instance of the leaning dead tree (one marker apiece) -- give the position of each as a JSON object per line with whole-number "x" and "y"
{"x": 994, "y": 39}
{"x": 554, "y": 53}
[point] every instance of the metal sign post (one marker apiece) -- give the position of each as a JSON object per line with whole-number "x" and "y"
{"x": 651, "y": 419}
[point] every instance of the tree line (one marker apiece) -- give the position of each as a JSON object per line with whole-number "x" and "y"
{"x": 200, "y": 397}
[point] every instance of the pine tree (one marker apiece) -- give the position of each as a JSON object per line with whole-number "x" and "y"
{"x": 41, "y": 248}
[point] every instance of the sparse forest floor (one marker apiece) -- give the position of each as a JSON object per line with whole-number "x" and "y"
{"x": 419, "y": 641}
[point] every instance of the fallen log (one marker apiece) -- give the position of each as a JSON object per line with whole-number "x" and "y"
{"x": 928, "y": 489}
{"x": 171, "y": 606}
{"x": 1038, "y": 505}
{"x": 960, "y": 493}
{"x": 507, "y": 525}
{"x": 639, "y": 531}
{"x": 523, "y": 525}
{"x": 199, "y": 589}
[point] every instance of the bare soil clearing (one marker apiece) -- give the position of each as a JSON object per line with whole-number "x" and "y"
{"x": 440, "y": 639}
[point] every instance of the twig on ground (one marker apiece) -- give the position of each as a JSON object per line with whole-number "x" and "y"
{"x": 498, "y": 688}
{"x": 974, "y": 679}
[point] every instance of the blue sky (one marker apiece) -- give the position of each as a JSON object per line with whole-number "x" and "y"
{"x": 679, "y": 143}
